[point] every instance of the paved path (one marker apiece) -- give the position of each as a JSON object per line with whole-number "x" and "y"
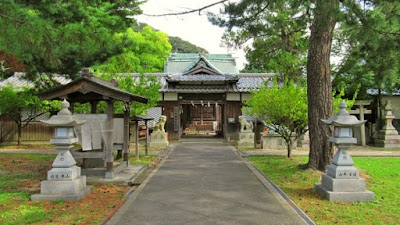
{"x": 204, "y": 182}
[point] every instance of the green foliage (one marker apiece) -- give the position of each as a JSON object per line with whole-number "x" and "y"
{"x": 63, "y": 36}
{"x": 144, "y": 51}
{"x": 371, "y": 36}
{"x": 341, "y": 96}
{"x": 278, "y": 29}
{"x": 15, "y": 102}
{"x": 283, "y": 108}
{"x": 382, "y": 179}
{"x": 146, "y": 86}
{"x": 182, "y": 46}
{"x": 6, "y": 197}
{"x": 25, "y": 214}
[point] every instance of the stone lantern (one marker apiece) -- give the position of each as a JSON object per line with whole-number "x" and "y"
{"x": 342, "y": 181}
{"x": 64, "y": 180}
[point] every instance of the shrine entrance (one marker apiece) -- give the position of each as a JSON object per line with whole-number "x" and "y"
{"x": 202, "y": 119}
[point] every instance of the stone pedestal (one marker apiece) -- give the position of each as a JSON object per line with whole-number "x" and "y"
{"x": 388, "y": 136}
{"x": 276, "y": 141}
{"x": 159, "y": 139}
{"x": 246, "y": 139}
{"x": 342, "y": 182}
{"x": 64, "y": 181}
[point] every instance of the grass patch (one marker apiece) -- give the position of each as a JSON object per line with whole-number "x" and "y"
{"x": 248, "y": 149}
{"x": 387, "y": 149}
{"x": 12, "y": 145}
{"x": 382, "y": 176}
{"x": 20, "y": 176}
{"x": 143, "y": 159}
{"x": 24, "y": 214}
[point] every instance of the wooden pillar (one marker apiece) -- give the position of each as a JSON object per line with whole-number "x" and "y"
{"x": 225, "y": 119}
{"x": 362, "y": 133}
{"x": 109, "y": 139}
{"x": 255, "y": 132}
{"x": 147, "y": 137}
{"x": 137, "y": 141}
{"x": 126, "y": 132}
{"x": 93, "y": 107}
{"x": 72, "y": 107}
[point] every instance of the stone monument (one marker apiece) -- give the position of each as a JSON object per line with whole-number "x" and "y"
{"x": 246, "y": 134}
{"x": 342, "y": 181}
{"x": 64, "y": 180}
{"x": 388, "y": 136}
{"x": 159, "y": 137}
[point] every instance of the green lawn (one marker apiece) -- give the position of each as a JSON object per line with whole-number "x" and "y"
{"x": 15, "y": 176}
{"x": 143, "y": 159}
{"x": 382, "y": 176}
{"x": 20, "y": 176}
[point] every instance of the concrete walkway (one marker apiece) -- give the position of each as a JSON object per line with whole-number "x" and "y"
{"x": 202, "y": 181}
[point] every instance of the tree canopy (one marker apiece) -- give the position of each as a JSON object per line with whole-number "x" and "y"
{"x": 63, "y": 36}
{"x": 22, "y": 106}
{"x": 282, "y": 108}
{"x": 370, "y": 36}
{"x": 182, "y": 46}
{"x": 277, "y": 30}
{"x": 144, "y": 51}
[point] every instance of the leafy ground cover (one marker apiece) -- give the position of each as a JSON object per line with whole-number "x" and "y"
{"x": 27, "y": 146}
{"x": 382, "y": 176}
{"x": 20, "y": 176}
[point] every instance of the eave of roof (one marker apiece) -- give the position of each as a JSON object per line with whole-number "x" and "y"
{"x": 79, "y": 89}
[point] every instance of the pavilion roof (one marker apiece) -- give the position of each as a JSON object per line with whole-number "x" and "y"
{"x": 89, "y": 88}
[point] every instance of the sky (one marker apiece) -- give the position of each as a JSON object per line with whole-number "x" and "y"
{"x": 193, "y": 27}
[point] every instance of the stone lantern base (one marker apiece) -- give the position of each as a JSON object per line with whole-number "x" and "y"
{"x": 344, "y": 190}
{"x": 63, "y": 183}
{"x": 73, "y": 190}
{"x": 342, "y": 182}
{"x": 246, "y": 139}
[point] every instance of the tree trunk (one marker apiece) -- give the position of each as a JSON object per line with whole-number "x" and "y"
{"x": 319, "y": 85}
{"x": 289, "y": 148}
{"x": 19, "y": 126}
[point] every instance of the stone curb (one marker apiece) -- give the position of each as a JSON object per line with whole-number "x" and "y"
{"x": 133, "y": 194}
{"x": 273, "y": 188}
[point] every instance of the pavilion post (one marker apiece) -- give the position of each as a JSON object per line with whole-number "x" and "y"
{"x": 93, "y": 107}
{"x": 147, "y": 137}
{"x": 126, "y": 132}
{"x": 109, "y": 139}
{"x": 137, "y": 141}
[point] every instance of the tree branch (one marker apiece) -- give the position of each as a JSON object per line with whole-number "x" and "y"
{"x": 187, "y": 12}
{"x": 13, "y": 19}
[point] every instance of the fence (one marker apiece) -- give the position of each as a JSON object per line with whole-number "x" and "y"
{"x": 35, "y": 131}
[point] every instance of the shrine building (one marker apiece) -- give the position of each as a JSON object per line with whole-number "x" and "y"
{"x": 202, "y": 95}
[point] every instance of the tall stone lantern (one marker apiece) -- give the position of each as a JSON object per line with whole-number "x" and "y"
{"x": 64, "y": 180}
{"x": 342, "y": 181}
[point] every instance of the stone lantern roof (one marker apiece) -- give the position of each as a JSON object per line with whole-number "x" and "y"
{"x": 64, "y": 118}
{"x": 343, "y": 118}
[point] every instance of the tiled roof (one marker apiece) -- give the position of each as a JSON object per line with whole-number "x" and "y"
{"x": 201, "y": 77}
{"x": 375, "y": 92}
{"x": 197, "y": 89}
{"x": 247, "y": 83}
{"x": 180, "y": 62}
{"x": 18, "y": 81}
